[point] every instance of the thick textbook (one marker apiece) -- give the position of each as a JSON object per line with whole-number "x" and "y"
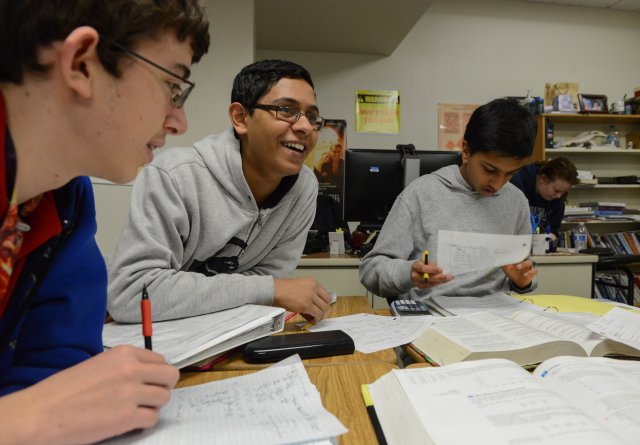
{"x": 567, "y": 400}
{"x": 190, "y": 340}
{"x": 526, "y": 337}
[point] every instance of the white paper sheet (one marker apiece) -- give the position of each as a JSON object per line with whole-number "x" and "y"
{"x": 371, "y": 333}
{"x": 619, "y": 325}
{"x": 500, "y": 303}
{"x": 460, "y": 252}
{"x": 273, "y": 406}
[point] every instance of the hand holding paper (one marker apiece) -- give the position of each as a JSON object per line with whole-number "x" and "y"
{"x": 460, "y": 252}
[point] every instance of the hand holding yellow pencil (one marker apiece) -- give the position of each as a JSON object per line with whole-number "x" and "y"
{"x": 425, "y": 260}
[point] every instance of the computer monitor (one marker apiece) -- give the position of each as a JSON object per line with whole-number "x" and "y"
{"x": 374, "y": 179}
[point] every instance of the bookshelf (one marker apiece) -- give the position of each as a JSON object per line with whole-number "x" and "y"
{"x": 603, "y": 162}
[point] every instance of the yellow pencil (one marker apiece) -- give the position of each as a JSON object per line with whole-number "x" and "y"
{"x": 425, "y": 260}
{"x": 307, "y": 326}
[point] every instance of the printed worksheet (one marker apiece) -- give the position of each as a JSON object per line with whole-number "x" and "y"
{"x": 460, "y": 252}
{"x": 277, "y": 405}
{"x": 619, "y": 325}
{"x": 371, "y": 333}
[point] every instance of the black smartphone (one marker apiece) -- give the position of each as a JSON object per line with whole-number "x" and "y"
{"x": 309, "y": 345}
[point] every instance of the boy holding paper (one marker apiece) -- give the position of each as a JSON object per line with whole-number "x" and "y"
{"x": 475, "y": 197}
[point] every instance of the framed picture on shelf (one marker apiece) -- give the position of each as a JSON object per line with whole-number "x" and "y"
{"x": 593, "y": 103}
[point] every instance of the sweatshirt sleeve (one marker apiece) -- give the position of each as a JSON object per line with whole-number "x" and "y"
{"x": 151, "y": 251}
{"x": 385, "y": 271}
{"x": 524, "y": 228}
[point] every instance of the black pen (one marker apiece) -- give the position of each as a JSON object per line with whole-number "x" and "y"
{"x": 145, "y": 309}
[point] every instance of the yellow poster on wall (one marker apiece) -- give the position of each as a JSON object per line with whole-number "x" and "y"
{"x": 377, "y": 111}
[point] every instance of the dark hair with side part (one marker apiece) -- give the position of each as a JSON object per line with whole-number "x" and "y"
{"x": 503, "y": 126}
{"x": 26, "y": 25}
{"x": 255, "y": 80}
{"x": 559, "y": 168}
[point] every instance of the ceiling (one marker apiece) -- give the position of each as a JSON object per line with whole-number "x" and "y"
{"x": 337, "y": 26}
{"x": 627, "y": 5}
{"x": 374, "y": 27}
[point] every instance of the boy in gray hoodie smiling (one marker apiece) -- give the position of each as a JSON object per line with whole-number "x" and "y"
{"x": 223, "y": 223}
{"x": 475, "y": 197}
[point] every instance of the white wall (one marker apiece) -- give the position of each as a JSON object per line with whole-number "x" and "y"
{"x": 469, "y": 51}
{"x": 232, "y": 47}
{"x": 460, "y": 51}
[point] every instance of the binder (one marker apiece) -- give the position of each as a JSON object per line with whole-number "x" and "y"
{"x": 190, "y": 340}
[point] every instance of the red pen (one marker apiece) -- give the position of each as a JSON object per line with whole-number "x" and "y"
{"x": 145, "y": 309}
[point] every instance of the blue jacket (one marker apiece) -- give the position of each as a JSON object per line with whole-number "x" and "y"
{"x": 55, "y": 315}
{"x": 551, "y": 212}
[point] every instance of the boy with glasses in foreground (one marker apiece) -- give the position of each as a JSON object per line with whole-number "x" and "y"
{"x": 223, "y": 223}
{"x": 87, "y": 87}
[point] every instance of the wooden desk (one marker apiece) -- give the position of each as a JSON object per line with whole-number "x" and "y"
{"x": 339, "y": 387}
{"x": 343, "y": 306}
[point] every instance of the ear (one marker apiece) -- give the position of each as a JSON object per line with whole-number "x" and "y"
{"x": 239, "y": 116}
{"x": 465, "y": 152}
{"x": 78, "y": 60}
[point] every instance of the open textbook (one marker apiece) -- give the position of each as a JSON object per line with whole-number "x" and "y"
{"x": 567, "y": 400}
{"x": 274, "y": 406}
{"x": 526, "y": 337}
{"x": 190, "y": 340}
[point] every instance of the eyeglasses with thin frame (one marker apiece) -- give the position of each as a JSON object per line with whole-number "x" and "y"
{"x": 288, "y": 114}
{"x": 178, "y": 95}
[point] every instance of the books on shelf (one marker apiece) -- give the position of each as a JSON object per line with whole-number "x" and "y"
{"x": 567, "y": 400}
{"x": 186, "y": 341}
{"x": 526, "y": 337}
{"x": 604, "y": 204}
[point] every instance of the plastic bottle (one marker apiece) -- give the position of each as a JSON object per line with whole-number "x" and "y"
{"x": 613, "y": 137}
{"x": 580, "y": 237}
{"x": 549, "y": 135}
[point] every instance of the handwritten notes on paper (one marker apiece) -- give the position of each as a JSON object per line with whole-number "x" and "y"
{"x": 460, "y": 252}
{"x": 619, "y": 325}
{"x": 276, "y": 405}
{"x": 371, "y": 333}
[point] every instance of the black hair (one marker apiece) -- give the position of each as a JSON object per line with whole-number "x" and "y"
{"x": 255, "y": 80}
{"x": 503, "y": 126}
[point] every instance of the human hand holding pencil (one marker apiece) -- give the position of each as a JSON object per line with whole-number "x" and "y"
{"x": 425, "y": 274}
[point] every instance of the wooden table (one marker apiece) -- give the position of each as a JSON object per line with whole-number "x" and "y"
{"x": 343, "y": 306}
{"x": 339, "y": 387}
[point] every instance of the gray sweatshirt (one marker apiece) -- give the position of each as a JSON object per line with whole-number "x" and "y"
{"x": 191, "y": 210}
{"x": 442, "y": 200}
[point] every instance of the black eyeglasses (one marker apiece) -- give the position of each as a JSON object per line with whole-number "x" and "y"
{"x": 178, "y": 95}
{"x": 291, "y": 115}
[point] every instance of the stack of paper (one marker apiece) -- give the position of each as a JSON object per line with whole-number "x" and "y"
{"x": 190, "y": 340}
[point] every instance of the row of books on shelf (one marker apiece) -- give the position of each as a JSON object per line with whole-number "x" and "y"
{"x": 622, "y": 243}
{"x": 612, "y": 287}
{"x": 588, "y": 211}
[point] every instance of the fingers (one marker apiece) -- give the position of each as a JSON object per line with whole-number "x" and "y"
{"x": 436, "y": 275}
{"x": 148, "y": 366}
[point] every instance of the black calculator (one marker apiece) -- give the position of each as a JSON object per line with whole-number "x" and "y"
{"x": 409, "y": 307}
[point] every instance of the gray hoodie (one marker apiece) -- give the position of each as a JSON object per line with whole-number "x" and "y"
{"x": 186, "y": 208}
{"x": 442, "y": 200}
